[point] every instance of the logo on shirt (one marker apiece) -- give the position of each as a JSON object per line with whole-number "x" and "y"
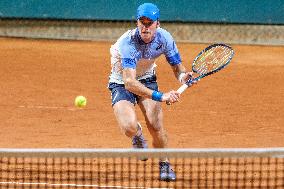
{"x": 160, "y": 46}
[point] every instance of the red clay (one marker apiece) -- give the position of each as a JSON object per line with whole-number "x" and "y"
{"x": 242, "y": 106}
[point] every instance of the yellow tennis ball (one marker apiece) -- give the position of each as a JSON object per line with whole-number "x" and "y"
{"x": 80, "y": 101}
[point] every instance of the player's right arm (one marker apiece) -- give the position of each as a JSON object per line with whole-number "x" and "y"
{"x": 134, "y": 86}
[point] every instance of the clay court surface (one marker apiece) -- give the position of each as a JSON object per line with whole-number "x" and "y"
{"x": 242, "y": 106}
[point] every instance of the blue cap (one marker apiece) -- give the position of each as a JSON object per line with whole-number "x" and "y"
{"x": 148, "y": 10}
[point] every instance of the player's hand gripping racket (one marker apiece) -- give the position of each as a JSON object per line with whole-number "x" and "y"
{"x": 211, "y": 60}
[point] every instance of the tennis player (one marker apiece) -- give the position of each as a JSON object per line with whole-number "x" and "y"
{"x": 133, "y": 80}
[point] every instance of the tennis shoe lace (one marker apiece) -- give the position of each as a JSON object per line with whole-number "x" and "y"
{"x": 139, "y": 142}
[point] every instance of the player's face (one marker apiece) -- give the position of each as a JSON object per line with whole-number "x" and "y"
{"x": 147, "y": 28}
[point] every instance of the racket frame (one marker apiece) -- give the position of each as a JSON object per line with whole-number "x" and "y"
{"x": 191, "y": 80}
{"x": 216, "y": 70}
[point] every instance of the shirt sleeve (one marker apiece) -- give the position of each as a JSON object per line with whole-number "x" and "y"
{"x": 171, "y": 50}
{"x": 128, "y": 63}
{"x": 127, "y": 52}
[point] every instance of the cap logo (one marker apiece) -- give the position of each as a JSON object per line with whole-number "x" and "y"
{"x": 148, "y": 10}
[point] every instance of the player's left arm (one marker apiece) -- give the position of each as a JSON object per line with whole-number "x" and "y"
{"x": 133, "y": 85}
{"x": 178, "y": 68}
{"x": 173, "y": 57}
{"x": 181, "y": 73}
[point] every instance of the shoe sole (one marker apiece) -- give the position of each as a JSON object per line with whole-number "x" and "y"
{"x": 168, "y": 179}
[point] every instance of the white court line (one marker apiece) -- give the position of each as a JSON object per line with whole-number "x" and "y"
{"x": 76, "y": 185}
{"x": 51, "y": 107}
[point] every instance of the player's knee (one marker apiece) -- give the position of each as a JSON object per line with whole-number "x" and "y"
{"x": 130, "y": 129}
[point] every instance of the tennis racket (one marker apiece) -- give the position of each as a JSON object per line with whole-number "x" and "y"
{"x": 210, "y": 60}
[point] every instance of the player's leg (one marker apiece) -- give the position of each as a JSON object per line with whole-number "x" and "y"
{"x": 154, "y": 120}
{"x": 123, "y": 103}
{"x": 126, "y": 117}
{"x": 153, "y": 114}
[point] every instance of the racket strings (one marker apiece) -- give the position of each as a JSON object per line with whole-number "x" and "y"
{"x": 213, "y": 59}
{"x": 222, "y": 57}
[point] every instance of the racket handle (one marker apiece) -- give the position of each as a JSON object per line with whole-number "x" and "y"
{"x": 182, "y": 88}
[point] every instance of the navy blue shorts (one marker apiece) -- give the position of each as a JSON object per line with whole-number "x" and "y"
{"x": 118, "y": 91}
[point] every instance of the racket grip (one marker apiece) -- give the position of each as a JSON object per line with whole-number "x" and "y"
{"x": 182, "y": 88}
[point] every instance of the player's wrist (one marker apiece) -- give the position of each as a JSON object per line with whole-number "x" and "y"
{"x": 157, "y": 96}
{"x": 180, "y": 76}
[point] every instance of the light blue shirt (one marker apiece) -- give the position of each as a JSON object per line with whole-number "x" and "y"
{"x": 131, "y": 52}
